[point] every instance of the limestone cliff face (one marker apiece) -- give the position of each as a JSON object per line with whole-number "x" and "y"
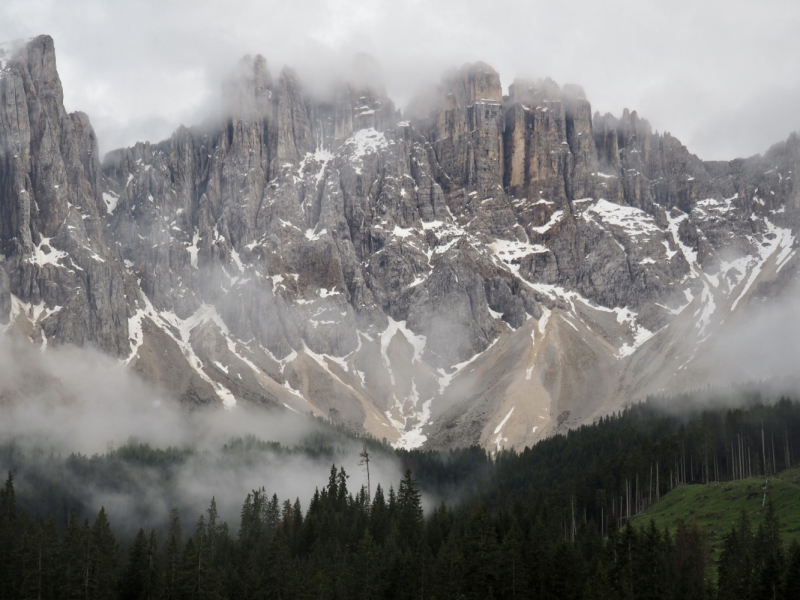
{"x": 51, "y": 237}
{"x": 485, "y": 269}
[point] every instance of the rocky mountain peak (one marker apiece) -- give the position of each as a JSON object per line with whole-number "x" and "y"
{"x": 247, "y": 91}
{"x": 489, "y": 270}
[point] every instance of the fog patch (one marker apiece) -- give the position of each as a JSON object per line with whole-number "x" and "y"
{"x": 69, "y": 400}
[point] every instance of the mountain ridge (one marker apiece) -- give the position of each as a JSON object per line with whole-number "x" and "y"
{"x": 492, "y": 270}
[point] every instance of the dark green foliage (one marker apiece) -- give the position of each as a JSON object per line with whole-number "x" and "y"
{"x": 10, "y": 537}
{"x": 172, "y": 557}
{"x": 791, "y": 584}
{"x": 39, "y": 561}
{"x": 137, "y": 579}
{"x": 551, "y": 522}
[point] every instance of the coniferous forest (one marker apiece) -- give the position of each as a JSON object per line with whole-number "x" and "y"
{"x": 564, "y": 519}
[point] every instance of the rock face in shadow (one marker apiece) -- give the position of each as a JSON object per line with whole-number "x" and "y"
{"x": 331, "y": 255}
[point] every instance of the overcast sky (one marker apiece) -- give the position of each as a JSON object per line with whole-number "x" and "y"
{"x": 721, "y": 75}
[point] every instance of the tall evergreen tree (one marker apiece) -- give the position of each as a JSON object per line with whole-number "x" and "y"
{"x": 689, "y": 576}
{"x": 791, "y": 583}
{"x": 76, "y": 561}
{"x": 103, "y": 559}
{"x": 736, "y": 568}
{"x": 480, "y": 557}
{"x": 768, "y": 558}
{"x": 172, "y": 556}
{"x": 135, "y": 583}
{"x": 39, "y": 562}
{"x": 10, "y": 538}
{"x": 409, "y": 510}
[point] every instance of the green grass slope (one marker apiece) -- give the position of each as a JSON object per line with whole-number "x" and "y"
{"x": 718, "y": 506}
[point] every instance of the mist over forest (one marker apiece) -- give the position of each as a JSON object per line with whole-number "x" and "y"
{"x": 358, "y": 300}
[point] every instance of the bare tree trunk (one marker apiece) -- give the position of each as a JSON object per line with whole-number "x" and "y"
{"x": 684, "y": 466}
{"x": 365, "y": 460}
{"x": 788, "y": 458}
{"x": 742, "y": 472}
{"x": 572, "y": 506}
{"x": 774, "y": 464}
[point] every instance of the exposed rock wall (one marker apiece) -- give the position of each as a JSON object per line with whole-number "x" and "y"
{"x": 413, "y": 278}
{"x": 51, "y": 236}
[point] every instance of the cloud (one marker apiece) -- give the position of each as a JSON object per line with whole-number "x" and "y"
{"x": 760, "y": 344}
{"x": 696, "y": 69}
{"x": 71, "y": 400}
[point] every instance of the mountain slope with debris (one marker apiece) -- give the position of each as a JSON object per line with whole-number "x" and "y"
{"x": 483, "y": 269}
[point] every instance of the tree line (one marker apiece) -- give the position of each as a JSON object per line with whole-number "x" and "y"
{"x": 548, "y": 522}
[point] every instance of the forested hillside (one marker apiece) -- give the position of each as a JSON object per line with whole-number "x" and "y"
{"x": 554, "y": 521}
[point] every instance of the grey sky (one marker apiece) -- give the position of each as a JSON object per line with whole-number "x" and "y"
{"x": 721, "y": 75}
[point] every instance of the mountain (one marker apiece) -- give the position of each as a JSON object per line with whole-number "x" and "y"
{"x": 483, "y": 269}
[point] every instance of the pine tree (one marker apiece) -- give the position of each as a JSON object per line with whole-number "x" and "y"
{"x": 735, "y": 568}
{"x": 10, "y": 538}
{"x": 76, "y": 561}
{"x": 251, "y": 546}
{"x": 512, "y": 573}
{"x": 368, "y": 569}
{"x": 297, "y": 527}
{"x": 279, "y": 568}
{"x": 379, "y": 517}
{"x": 690, "y": 563}
{"x": 39, "y": 562}
{"x": 791, "y": 583}
{"x": 103, "y": 559}
{"x": 562, "y": 580}
{"x": 199, "y": 579}
{"x": 598, "y": 587}
{"x": 134, "y": 584}
{"x": 154, "y": 582}
{"x": 480, "y": 557}
{"x": 217, "y": 542}
{"x": 172, "y": 556}
{"x": 409, "y": 510}
{"x": 536, "y": 552}
{"x": 768, "y": 557}
{"x": 273, "y": 515}
{"x": 651, "y": 564}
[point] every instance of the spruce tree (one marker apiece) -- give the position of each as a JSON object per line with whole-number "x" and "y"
{"x": 409, "y": 510}
{"x": 39, "y": 554}
{"x": 10, "y": 538}
{"x": 768, "y": 557}
{"x": 279, "y": 568}
{"x": 513, "y": 575}
{"x": 134, "y": 583}
{"x": 480, "y": 557}
{"x": 735, "y": 568}
{"x": 172, "y": 556}
{"x": 76, "y": 561}
{"x": 103, "y": 561}
{"x": 791, "y": 582}
{"x": 689, "y": 580}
